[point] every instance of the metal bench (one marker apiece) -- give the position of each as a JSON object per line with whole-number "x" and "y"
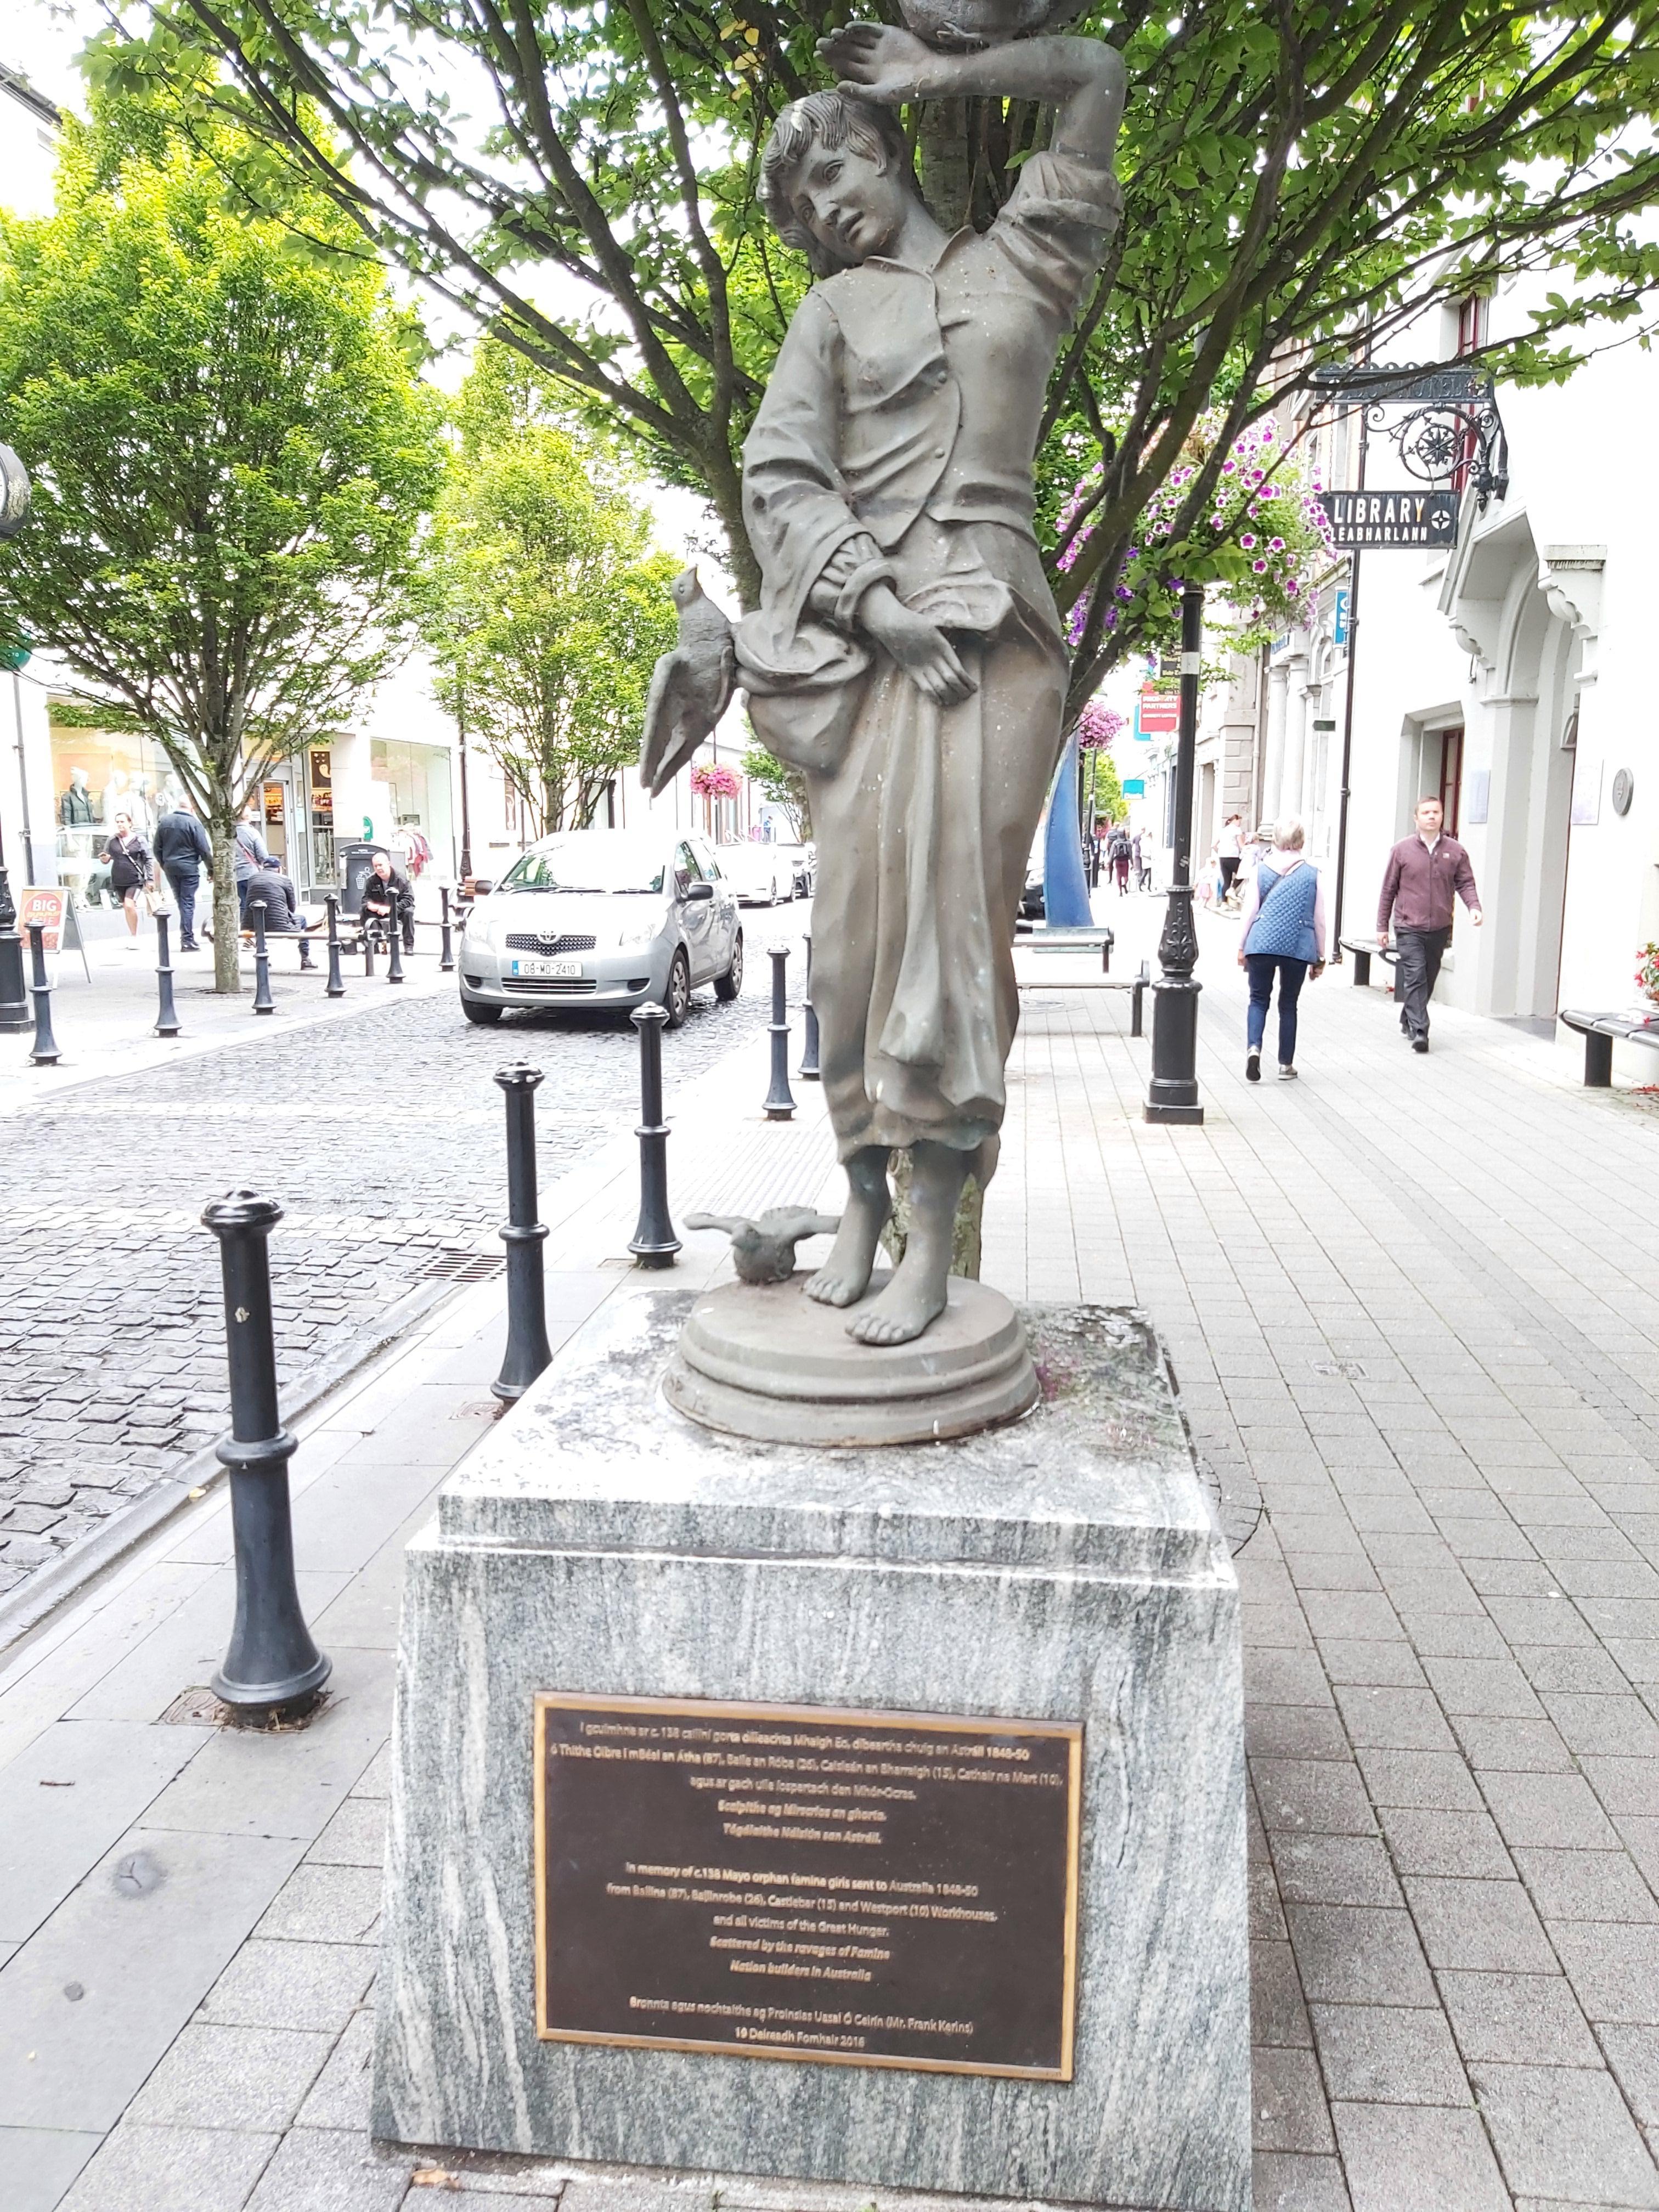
{"x": 1600, "y": 1032}
{"x": 1365, "y": 951}
{"x": 1086, "y": 940}
{"x": 1137, "y": 986}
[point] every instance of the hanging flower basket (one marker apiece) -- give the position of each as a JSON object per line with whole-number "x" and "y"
{"x": 714, "y": 779}
{"x": 1097, "y": 727}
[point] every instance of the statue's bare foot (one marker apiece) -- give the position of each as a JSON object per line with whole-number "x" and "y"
{"x": 844, "y": 1277}
{"x": 914, "y": 1297}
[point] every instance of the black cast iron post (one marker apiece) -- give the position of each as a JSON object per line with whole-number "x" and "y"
{"x": 394, "y": 940}
{"x": 779, "y": 1100}
{"x": 272, "y": 1667}
{"x": 653, "y": 1242}
{"x": 808, "y": 1070}
{"x": 1173, "y": 1093}
{"x": 263, "y": 1001}
{"x": 45, "y": 1051}
{"x": 167, "y": 1014}
{"x": 365, "y": 922}
{"x": 335, "y": 987}
{"x": 527, "y": 1348}
{"x": 446, "y": 952}
{"x": 13, "y": 996}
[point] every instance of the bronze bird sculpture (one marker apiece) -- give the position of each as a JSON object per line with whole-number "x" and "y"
{"x": 763, "y": 1250}
{"x": 691, "y": 687}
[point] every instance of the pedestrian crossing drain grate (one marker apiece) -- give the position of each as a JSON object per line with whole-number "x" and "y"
{"x": 1352, "y": 1369}
{"x": 464, "y": 1267}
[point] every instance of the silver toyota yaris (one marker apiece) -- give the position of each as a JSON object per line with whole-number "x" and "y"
{"x": 602, "y": 918}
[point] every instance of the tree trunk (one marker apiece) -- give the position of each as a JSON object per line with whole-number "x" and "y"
{"x": 946, "y": 162}
{"x": 965, "y": 1245}
{"x": 226, "y": 908}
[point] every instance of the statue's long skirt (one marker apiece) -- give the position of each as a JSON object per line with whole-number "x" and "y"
{"x": 923, "y": 833}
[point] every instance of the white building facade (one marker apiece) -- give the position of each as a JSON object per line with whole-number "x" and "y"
{"x": 1505, "y": 676}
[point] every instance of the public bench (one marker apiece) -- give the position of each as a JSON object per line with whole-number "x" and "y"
{"x": 1365, "y": 951}
{"x": 1600, "y": 1032}
{"x": 1136, "y": 986}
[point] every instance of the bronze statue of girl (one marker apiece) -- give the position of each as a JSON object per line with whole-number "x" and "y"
{"x": 907, "y": 654}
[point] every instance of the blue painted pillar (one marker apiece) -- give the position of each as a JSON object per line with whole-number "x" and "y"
{"x": 1065, "y": 887}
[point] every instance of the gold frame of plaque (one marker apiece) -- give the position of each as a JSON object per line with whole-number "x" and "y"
{"x": 661, "y": 1733}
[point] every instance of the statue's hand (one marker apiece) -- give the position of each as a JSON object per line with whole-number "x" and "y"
{"x": 875, "y": 62}
{"x": 923, "y": 652}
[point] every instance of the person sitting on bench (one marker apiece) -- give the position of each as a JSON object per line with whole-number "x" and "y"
{"x": 271, "y": 889}
{"x": 388, "y": 894}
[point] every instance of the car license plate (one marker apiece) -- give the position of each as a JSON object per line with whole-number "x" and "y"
{"x": 553, "y": 968}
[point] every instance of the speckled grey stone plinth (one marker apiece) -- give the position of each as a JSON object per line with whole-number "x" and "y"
{"x": 1065, "y": 1567}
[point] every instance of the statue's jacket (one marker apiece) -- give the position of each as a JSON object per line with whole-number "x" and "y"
{"x": 895, "y": 441}
{"x": 903, "y": 410}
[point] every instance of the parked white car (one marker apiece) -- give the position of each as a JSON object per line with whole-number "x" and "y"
{"x": 602, "y": 918}
{"x": 760, "y": 874}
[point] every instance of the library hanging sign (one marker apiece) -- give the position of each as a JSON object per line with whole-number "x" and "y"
{"x": 1363, "y": 520}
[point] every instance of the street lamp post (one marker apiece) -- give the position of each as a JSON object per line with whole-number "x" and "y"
{"x": 1173, "y": 1093}
{"x": 15, "y": 1015}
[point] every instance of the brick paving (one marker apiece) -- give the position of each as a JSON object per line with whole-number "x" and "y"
{"x": 381, "y": 1134}
{"x": 1412, "y": 1307}
{"x": 1409, "y": 1305}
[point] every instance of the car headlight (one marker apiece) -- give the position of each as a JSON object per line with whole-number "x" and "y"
{"x": 634, "y": 934}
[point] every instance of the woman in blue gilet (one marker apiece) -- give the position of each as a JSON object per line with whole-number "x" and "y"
{"x": 1284, "y": 937}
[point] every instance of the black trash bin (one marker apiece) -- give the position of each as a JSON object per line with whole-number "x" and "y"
{"x": 356, "y": 866}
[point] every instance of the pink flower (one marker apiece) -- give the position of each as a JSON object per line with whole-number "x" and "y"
{"x": 1260, "y": 567}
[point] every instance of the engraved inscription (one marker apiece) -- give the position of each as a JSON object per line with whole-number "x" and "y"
{"x": 785, "y": 1882}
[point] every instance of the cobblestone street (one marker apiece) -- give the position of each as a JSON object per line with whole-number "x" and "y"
{"x": 382, "y": 1134}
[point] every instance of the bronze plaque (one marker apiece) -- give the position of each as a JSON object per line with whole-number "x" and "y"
{"x": 787, "y": 1882}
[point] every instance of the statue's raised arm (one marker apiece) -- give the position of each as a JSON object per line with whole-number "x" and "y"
{"x": 1083, "y": 79}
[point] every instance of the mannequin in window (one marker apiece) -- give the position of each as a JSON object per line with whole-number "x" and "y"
{"x": 74, "y": 808}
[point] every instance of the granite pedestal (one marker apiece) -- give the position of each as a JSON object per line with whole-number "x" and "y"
{"x": 1064, "y": 1568}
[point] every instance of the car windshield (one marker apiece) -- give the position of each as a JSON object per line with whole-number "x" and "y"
{"x": 589, "y": 860}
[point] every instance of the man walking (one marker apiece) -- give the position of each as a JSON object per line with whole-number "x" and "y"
{"x": 1424, "y": 872}
{"x": 180, "y": 847}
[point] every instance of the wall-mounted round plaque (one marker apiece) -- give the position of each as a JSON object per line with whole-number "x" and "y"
{"x": 1624, "y": 790}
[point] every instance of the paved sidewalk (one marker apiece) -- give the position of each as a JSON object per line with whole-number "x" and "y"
{"x": 1410, "y": 1306}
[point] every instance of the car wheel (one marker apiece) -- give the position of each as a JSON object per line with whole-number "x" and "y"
{"x": 727, "y": 987}
{"x": 678, "y": 999}
{"x": 480, "y": 1011}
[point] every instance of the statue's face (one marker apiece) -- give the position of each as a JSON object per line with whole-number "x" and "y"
{"x": 854, "y": 203}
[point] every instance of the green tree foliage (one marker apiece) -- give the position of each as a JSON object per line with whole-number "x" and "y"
{"x": 542, "y": 602}
{"x": 583, "y": 178}
{"x": 780, "y": 785}
{"x": 231, "y": 456}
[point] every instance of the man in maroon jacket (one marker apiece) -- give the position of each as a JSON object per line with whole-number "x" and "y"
{"x": 1424, "y": 871}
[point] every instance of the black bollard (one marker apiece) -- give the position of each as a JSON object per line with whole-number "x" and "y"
{"x": 808, "y": 1070}
{"x": 45, "y": 1053}
{"x": 335, "y": 987}
{"x": 394, "y": 939}
{"x": 653, "y": 1242}
{"x": 366, "y": 924}
{"x": 527, "y": 1348}
{"x": 447, "y": 955}
{"x": 167, "y": 1014}
{"x": 779, "y": 1101}
{"x": 263, "y": 1001}
{"x": 272, "y": 1668}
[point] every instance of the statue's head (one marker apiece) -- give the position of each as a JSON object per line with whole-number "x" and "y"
{"x": 836, "y": 179}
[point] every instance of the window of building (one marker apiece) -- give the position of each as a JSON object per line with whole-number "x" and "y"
{"x": 1450, "y": 743}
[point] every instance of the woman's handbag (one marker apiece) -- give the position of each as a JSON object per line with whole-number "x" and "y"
{"x": 159, "y": 902}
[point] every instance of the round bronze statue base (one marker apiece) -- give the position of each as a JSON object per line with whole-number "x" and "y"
{"x": 764, "y": 1360}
